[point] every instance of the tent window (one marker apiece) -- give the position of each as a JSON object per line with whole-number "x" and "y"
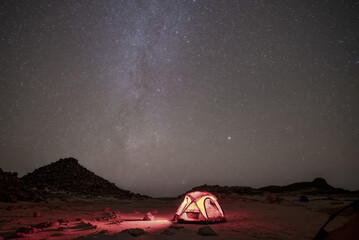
{"x": 193, "y": 215}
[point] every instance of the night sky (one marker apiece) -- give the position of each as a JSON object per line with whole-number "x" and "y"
{"x": 161, "y": 96}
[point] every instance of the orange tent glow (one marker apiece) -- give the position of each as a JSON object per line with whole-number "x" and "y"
{"x": 199, "y": 207}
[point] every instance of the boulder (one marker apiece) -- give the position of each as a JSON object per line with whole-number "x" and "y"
{"x": 148, "y": 217}
{"x": 206, "y": 231}
{"x": 135, "y": 231}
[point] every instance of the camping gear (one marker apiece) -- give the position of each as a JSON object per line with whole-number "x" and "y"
{"x": 199, "y": 207}
{"x": 303, "y": 199}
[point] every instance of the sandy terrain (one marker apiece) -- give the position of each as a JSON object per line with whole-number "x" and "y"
{"x": 247, "y": 218}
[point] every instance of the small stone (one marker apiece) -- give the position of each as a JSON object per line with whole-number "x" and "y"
{"x": 104, "y": 232}
{"x": 148, "y": 217}
{"x": 27, "y": 230}
{"x": 168, "y": 232}
{"x": 272, "y": 198}
{"x": 36, "y": 214}
{"x": 206, "y": 231}
{"x": 44, "y": 225}
{"x": 135, "y": 231}
{"x": 176, "y": 227}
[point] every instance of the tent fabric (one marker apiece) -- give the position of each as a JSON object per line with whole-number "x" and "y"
{"x": 199, "y": 207}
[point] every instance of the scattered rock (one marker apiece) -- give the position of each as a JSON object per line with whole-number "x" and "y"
{"x": 62, "y": 229}
{"x": 168, "y": 232}
{"x": 135, "y": 231}
{"x": 148, "y": 217}
{"x": 36, "y": 214}
{"x": 104, "y": 232}
{"x": 63, "y": 220}
{"x": 27, "y": 230}
{"x": 206, "y": 231}
{"x": 46, "y": 224}
{"x": 114, "y": 215}
{"x": 273, "y": 198}
{"x": 107, "y": 210}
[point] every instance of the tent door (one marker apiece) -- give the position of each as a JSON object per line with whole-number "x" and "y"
{"x": 211, "y": 209}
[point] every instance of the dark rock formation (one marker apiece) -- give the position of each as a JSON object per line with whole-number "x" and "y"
{"x": 318, "y": 185}
{"x": 12, "y": 190}
{"x": 68, "y": 176}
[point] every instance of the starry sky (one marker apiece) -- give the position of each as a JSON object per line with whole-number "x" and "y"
{"x": 161, "y": 96}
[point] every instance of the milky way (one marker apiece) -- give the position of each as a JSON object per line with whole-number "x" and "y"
{"x": 161, "y": 96}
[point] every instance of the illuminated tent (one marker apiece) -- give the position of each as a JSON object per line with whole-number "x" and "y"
{"x": 199, "y": 207}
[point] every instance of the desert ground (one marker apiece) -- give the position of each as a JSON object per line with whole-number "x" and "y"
{"x": 248, "y": 217}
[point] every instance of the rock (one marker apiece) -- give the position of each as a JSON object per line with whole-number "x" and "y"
{"x": 36, "y": 214}
{"x": 13, "y": 190}
{"x": 104, "y": 232}
{"x": 114, "y": 215}
{"x": 176, "y": 227}
{"x": 107, "y": 210}
{"x": 273, "y": 198}
{"x": 63, "y": 220}
{"x": 148, "y": 217}
{"x": 206, "y": 231}
{"x": 45, "y": 225}
{"x": 27, "y": 230}
{"x": 168, "y": 232}
{"x": 135, "y": 231}
{"x": 154, "y": 212}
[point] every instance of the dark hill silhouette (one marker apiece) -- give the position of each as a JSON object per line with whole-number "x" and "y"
{"x": 317, "y": 186}
{"x": 68, "y": 176}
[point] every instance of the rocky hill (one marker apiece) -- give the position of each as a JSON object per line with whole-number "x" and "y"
{"x": 12, "y": 190}
{"x": 317, "y": 186}
{"x": 69, "y": 177}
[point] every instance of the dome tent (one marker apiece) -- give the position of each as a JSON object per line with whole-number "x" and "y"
{"x": 199, "y": 207}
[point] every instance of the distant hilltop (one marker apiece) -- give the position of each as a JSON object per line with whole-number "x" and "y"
{"x": 317, "y": 186}
{"x": 67, "y": 176}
